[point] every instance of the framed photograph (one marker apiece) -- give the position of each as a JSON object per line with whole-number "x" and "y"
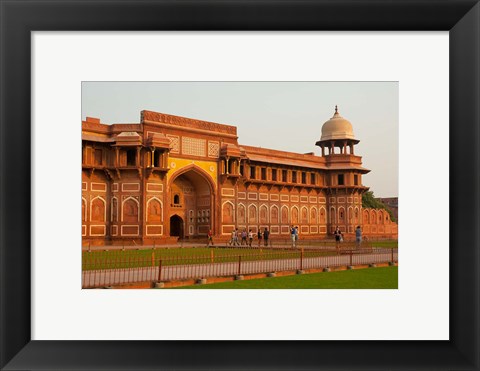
{"x": 49, "y": 322}
{"x": 180, "y": 201}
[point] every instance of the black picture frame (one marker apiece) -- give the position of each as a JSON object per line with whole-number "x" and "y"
{"x": 18, "y": 18}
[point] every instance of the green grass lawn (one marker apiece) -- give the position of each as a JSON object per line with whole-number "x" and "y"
{"x": 371, "y": 278}
{"x": 388, "y": 244}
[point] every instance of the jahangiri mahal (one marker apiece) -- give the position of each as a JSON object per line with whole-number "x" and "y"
{"x": 171, "y": 177}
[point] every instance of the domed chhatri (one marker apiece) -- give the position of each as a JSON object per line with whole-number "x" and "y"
{"x": 337, "y": 133}
{"x": 337, "y": 128}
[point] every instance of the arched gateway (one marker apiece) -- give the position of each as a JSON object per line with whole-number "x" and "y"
{"x": 191, "y": 203}
{"x": 176, "y": 226}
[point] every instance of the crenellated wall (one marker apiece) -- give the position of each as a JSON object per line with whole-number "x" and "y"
{"x": 376, "y": 223}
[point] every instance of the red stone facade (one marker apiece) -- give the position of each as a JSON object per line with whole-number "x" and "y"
{"x": 168, "y": 177}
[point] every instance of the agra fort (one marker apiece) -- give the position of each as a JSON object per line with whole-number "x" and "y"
{"x": 168, "y": 177}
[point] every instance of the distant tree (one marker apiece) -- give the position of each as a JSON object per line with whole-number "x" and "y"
{"x": 369, "y": 201}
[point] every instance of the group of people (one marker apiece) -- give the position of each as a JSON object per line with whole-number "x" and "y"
{"x": 339, "y": 236}
{"x": 245, "y": 238}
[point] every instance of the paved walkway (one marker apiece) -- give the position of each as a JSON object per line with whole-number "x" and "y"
{"x": 281, "y": 244}
{"x": 141, "y": 247}
{"x": 112, "y": 277}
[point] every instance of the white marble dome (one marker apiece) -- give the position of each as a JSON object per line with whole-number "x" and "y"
{"x": 337, "y": 128}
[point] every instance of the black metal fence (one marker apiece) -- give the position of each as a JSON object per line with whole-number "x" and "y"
{"x": 121, "y": 270}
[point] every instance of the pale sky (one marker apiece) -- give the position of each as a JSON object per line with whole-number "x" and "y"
{"x": 279, "y": 115}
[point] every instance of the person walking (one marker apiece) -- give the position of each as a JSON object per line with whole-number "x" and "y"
{"x": 233, "y": 237}
{"x": 259, "y": 237}
{"x": 358, "y": 236}
{"x": 235, "y": 240}
{"x": 210, "y": 238}
{"x": 244, "y": 237}
{"x": 250, "y": 238}
{"x": 292, "y": 233}
{"x": 266, "y": 234}
{"x": 296, "y": 235}
{"x": 338, "y": 237}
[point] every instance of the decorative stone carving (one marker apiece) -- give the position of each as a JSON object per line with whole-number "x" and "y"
{"x": 213, "y": 149}
{"x": 193, "y": 146}
{"x": 186, "y": 122}
{"x": 174, "y": 143}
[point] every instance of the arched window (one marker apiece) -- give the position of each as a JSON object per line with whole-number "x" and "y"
{"x": 366, "y": 217}
{"x": 130, "y": 211}
{"x": 98, "y": 210}
{"x": 252, "y": 214}
{"x": 241, "y": 214}
{"x": 322, "y": 216}
{"x": 274, "y": 215}
{"x": 227, "y": 213}
{"x": 176, "y": 199}
{"x": 84, "y": 210}
{"x": 341, "y": 215}
{"x": 332, "y": 215}
{"x": 155, "y": 211}
{"x": 191, "y": 218}
{"x": 294, "y": 215}
{"x": 304, "y": 214}
{"x": 263, "y": 214}
{"x": 313, "y": 216}
{"x": 284, "y": 215}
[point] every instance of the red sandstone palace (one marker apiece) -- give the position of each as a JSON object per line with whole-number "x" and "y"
{"x": 168, "y": 177}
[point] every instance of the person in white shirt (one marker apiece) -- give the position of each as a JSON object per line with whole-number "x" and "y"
{"x": 250, "y": 238}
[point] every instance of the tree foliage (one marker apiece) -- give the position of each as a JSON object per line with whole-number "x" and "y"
{"x": 369, "y": 201}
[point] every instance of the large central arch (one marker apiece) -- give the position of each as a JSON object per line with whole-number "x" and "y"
{"x": 191, "y": 196}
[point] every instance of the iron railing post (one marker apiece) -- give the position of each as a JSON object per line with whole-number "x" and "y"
{"x": 160, "y": 270}
{"x": 239, "y": 264}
